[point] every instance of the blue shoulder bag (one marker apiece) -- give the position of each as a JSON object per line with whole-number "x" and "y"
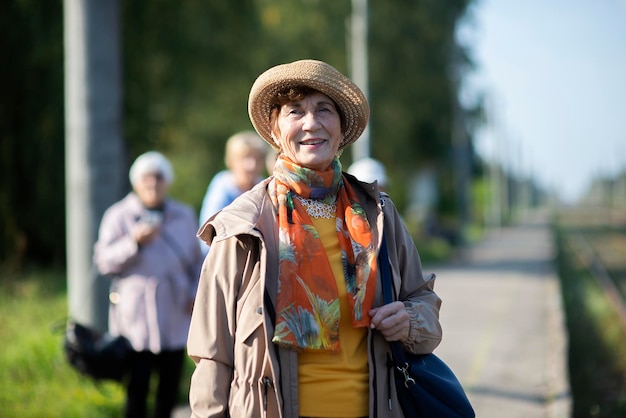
{"x": 425, "y": 385}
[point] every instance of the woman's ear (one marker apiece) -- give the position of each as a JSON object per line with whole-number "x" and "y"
{"x": 274, "y": 139}
{"x": 341, "y": 143}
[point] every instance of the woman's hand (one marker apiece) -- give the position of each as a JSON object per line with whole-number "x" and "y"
{"x": 144, "y": 233}
{"x": 392, "y": 320}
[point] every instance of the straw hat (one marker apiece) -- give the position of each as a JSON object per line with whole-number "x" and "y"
{"x": 319, "y": 76}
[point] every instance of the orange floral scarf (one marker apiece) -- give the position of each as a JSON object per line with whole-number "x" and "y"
{"x": 308, "y": 303}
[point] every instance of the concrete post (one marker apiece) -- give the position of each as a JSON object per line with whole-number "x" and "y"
{"x": 93, "y": 147}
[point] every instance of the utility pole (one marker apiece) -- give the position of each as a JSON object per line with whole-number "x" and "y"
{"x": 460, "y": 149}
{"x": 494, "y": 212}
{"x": 359, "y": 73}
{"x": 93, "y": 145}
{"x": 619, "y": 196}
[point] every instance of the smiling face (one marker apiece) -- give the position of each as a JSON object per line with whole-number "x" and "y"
{"x": 308, "y": 130}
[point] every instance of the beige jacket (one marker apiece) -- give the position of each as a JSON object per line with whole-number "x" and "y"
{"x": 239, "y": 373}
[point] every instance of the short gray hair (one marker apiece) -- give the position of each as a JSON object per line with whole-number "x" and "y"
{"x": 151, "y": 162}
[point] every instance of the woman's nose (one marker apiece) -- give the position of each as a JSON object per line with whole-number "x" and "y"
{"x": 310, "y": 121}
{"x": 150, "y": 180}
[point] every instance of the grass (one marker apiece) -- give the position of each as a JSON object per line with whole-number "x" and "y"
{"x": 35, "y": 379}
{"x": 597, "y": 353}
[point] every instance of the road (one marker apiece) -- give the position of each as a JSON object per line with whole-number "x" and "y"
{"x": 504, "y": 328}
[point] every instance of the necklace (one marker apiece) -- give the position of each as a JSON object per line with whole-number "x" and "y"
{"x": 317, "y": 209}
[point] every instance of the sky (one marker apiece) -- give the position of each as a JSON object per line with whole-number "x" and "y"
{"x": 553, "y": 73}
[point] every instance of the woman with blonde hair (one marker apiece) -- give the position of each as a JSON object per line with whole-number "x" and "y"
{"x": 245, "y": 157}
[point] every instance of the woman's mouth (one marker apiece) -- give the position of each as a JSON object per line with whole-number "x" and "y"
{"x": 312, "y": 142}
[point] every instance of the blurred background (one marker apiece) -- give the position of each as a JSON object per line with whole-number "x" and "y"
{"x": 479, "y": 108}
{"x": 482, "y": 110}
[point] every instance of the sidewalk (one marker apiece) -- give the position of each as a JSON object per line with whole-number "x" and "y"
{"x": 504, "y": 329}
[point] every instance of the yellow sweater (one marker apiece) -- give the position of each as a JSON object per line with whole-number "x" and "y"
{"x": 335, "y": 384}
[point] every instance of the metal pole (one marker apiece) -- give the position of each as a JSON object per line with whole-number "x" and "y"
{"x": 358, "y": 49}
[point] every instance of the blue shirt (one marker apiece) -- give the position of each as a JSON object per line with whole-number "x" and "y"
{"x": 221, "y": 192}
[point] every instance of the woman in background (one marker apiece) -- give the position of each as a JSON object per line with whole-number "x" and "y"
{"x": 244, "y": 157}
{"x": 147, "y": 244}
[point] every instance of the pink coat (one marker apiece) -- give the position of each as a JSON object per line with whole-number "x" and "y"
{"x": 155, "y": 284}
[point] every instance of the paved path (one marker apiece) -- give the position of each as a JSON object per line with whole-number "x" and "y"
{"x": 503, "y": 325}
{"x": 504, "y": 330}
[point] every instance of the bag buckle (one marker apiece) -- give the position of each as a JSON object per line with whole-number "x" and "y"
{"x": 408, "y": 380}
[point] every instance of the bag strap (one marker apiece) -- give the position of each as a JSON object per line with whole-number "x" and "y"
{"x": 384, "y": 265}
{"x": 385, "y": 272}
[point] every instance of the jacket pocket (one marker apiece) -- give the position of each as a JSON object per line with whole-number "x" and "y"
{"x": 250, "y": 317}
{"x": 248, "y": 326}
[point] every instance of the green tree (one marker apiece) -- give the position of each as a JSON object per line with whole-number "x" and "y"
{"x": 412, "y": 90}
{"x": 187, "y": 73}
{"x": 187, "y": 70}
{"x": 31, "y": 132}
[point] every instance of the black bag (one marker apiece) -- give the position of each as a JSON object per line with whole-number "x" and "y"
{"x": 99, "y": 356}
{"x": 425, "y": 385}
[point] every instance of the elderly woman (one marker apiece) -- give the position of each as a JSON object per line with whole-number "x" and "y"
{"x": 289, "y": 318}
{"x": 147, "y": 243}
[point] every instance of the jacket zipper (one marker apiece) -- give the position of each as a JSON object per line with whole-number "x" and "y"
{"x": 375, "y": 378}
{"x": 267, "y": 383}
{"x": 390, "y": 375}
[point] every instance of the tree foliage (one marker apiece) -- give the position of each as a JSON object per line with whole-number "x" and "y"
{"x": 412, "y": 90}
{"x": 31, "y": 131}
{"x": 188, "y": 67}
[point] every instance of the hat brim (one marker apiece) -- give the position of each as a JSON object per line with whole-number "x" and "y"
{"x": 319, "y": 76}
